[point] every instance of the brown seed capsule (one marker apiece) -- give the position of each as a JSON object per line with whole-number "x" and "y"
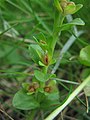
{"x": 31, "y": 89}
{"x": 46, "y": 60}
{"x": 48, "y": 89}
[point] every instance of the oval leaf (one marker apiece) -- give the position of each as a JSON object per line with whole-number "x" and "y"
{"x": 39, "y": 76}
{"x": 69, "y": 9}
{"x": 24, "y": 102}
{"x": 43, "y": 77}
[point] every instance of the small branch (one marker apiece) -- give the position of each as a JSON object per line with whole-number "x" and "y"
{"x": 66, "y": 81}
{"x": 6, "y": 114}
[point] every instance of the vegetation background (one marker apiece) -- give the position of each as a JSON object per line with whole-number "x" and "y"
{"x": 26, "y": 18}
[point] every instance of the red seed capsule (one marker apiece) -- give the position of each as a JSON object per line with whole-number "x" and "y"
{"x": 46, "y": 60}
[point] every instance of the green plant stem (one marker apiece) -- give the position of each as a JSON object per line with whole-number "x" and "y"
{"x": 58, "y": 21}
{"x": 71, "y": 97}
{"x": 45, "y": 69}
{"x": 32, "y": 115}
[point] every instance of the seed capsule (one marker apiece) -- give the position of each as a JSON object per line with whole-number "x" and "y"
{"x": 68, "y": 7}
{"x": 48, "y": 89}
{"x": 31, "y": 89}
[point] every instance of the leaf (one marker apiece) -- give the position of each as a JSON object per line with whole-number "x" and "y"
{"x": 43, "y": 77}
{"x": 68, "y": 26}
{"x": 84, "y": 56}
{"x": 24, "y": 102}
{"x": 39, "y": 75}
{"x": 41, "y": 64}
{"x": 41, "y": 41}
{"x": 85, "y": 73}
{"x": 35, "y": 52}
{"x": 77, "y": 21}
{"x": 50, "y": 101}
{"x": 78, "y": 7}
{"x": 69, "y": 9}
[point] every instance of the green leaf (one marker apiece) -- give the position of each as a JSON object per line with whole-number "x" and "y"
{"x": 72, "y": 8}
{"x": 40, "y": 76}
{"x": 68, "y": 26}
{"x": 41, "y": 64}
{"x": 24, "y": 102}
{"x": 41, "y": 41}
{"x": 35, "y": 52}
{"x": 43, "y": 77}
{"x": 77, "y": 21}
{"x": 84, "y": 56}
{"x": 69, "y": 9}
{"x": 78, "y": 7}
{"x": 50, "y": 101}
{"x": 85, "y": 73}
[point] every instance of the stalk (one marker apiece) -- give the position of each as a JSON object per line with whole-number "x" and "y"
{"x": 32, "y": 115}
{"x": 58, "y": 21}
{"x": 45, "y": 69}
{"x": 71, "y": 97}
